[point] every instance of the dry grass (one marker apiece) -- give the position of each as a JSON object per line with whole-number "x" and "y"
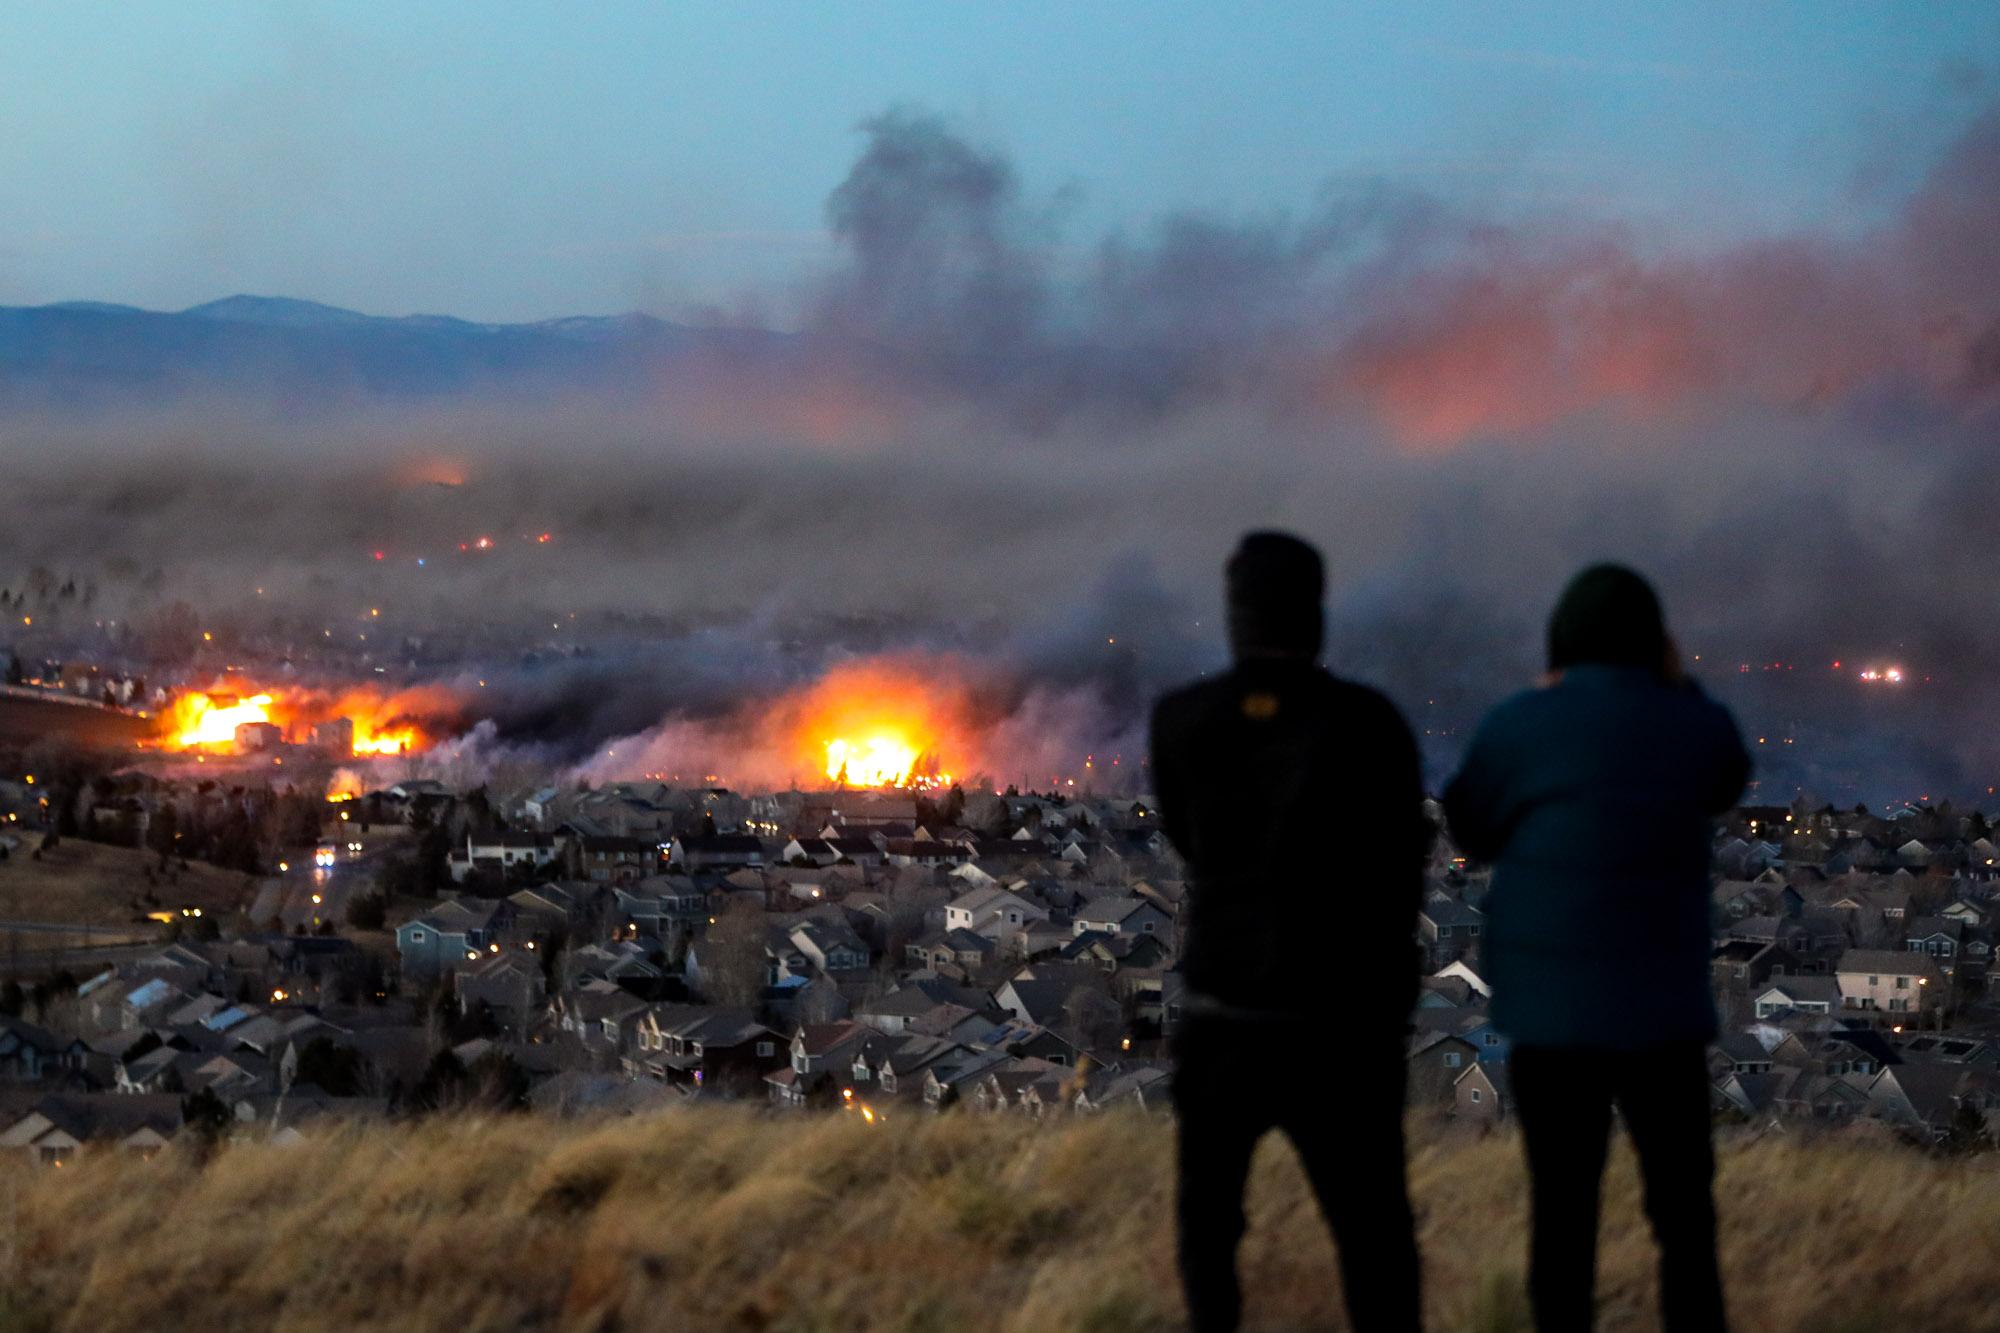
{"x": 78, "y": 882}
{"x": 725, "y": 1219}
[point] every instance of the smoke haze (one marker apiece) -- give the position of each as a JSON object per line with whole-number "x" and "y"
{"x": 1018, "y": 459}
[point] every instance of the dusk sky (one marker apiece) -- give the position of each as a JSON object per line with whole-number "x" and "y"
{"x": 522, "y": 161}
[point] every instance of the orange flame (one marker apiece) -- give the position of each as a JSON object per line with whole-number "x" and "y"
{"x": 879, "y": 725}
{"x": 381, "y": 723}
{"x": 203, "y": 721}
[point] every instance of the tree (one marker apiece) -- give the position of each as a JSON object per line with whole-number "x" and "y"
{"x": 1969, "y": 1132}
{"x": 13, "y": 1000}
{"x": 201, "y": 929}
{"x": 164, "y": 831}
{"x": 474, "y": 1021}
{"x": 433, "y": 874}
{"x": 15, "y": 675}
{"x": 367, "y": 911}
{"x": 334, "y": 1070}
{"x": 1093, "y": 1017}
{"x": 493, "y": 1082}
{"x": 732, "y": 960}
{"x": 207, "y": 1119}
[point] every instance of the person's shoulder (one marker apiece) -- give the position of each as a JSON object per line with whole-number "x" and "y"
{"x": 1524, "y": 707}
{"x": 1192, "y": 699}
{"x": 1701, "y": 704}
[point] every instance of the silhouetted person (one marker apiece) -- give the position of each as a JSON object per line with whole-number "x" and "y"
{"x": 1296, "y": 800}
{"x": 1593, "y": 797}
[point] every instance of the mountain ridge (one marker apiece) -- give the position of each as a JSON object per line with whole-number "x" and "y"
{"x": 93, "y": 353}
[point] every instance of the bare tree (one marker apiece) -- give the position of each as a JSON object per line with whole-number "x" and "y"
{"x": 732, "y": 957}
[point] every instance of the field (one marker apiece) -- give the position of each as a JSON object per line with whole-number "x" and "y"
{"x": 25, "y": 720}
{"x": 728, "y": 1219}
{"x": 89, "y": 883}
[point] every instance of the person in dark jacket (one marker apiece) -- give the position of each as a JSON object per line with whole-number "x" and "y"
{"x": 1249, "y": 768}
{"x": 1593, "y": 797}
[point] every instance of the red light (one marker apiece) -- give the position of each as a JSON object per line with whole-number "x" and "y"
{"x": 378, "y": 555}
{"x": 1836, "y": 665}
{"x": 543, "y": 538}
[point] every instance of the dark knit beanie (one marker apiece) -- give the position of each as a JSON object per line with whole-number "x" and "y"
{"x": 1276, "y": 583}
{"x": 1607, "y": 614}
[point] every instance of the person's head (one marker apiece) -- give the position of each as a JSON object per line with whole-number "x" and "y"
{"x": 1608, "y": 615}
{"x": 1275, "y": 583}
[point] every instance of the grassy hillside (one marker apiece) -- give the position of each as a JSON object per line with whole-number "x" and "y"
{"x": 97, "y": 884}
{"x": 725, "y": 1219}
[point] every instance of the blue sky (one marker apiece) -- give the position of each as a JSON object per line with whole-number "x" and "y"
{"x": 520, "y": 160}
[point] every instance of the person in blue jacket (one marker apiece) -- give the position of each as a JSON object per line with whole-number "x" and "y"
{"x": 1593, "y": 797}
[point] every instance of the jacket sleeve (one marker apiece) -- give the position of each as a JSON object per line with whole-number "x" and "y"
{"x": 1413, "y": 832}
{"x": 1164, "y": 756}
{"x": 1475, "y": 799}
{"x": 1732, "y": 764}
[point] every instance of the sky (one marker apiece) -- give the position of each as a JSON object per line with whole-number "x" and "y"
{"x": 521, "y": 161}
{"x": 1468, "y": 294}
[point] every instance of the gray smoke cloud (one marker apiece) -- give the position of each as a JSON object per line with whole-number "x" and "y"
{"x": 986, "y": 445}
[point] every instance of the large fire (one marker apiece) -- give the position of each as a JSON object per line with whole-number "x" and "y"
{"x": 205, "y": 721}
{"x": 880, "y": 724}
{"x": 881, "y": 760}
{"x": 355, "y": 721}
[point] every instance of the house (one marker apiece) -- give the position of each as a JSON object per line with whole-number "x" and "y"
{"x": 894, "y": 1067}
{"x": 816, "y": 852}
{"x": 1747, "y": 964}
{"x": 830, "y": 948}
{"x": 715, "y": 851}
{"x": 875, "y": 811}
{"x": 1802, "y": 995}
{"x": 29, "y": 1053}
{"x": 1940, "y": 937}
{"x": 651, "y": 905}
{"x": 821, "y": 1057}
{"x": 1125, "y": 918}
{"x": 1919, "y": 1097}
{"x": 1040, "y": 1002}
{"x": 609, "y": 859}
{"x": 950, "y": 1079}
{"x": 949, "y": 948}
{"x": 451, "y": 934}
{"x": 1436, "y": 1060}
{"x": 1743, "y": 1053}
{"x": 1891, "y": 981}
{"x": 62, "y": 1125}
{"x": 925, "y": 851}
{"x": 510, "y": 984}
{"x": 1464, "y": 972}
{"x": 1448, "y": 927}
{"x": 998, "y": 914}
{"x": 504, "y": 853}
{"x": 1482, "y": 1093}
{"x": 601, "y": 1013}
{"x": 714, "y": 1051}
{"x": 1472, "y": 1025}
{"x": 1755, "y": 1093}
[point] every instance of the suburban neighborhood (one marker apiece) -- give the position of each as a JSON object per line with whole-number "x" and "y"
{"x": 884, "y": 954}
